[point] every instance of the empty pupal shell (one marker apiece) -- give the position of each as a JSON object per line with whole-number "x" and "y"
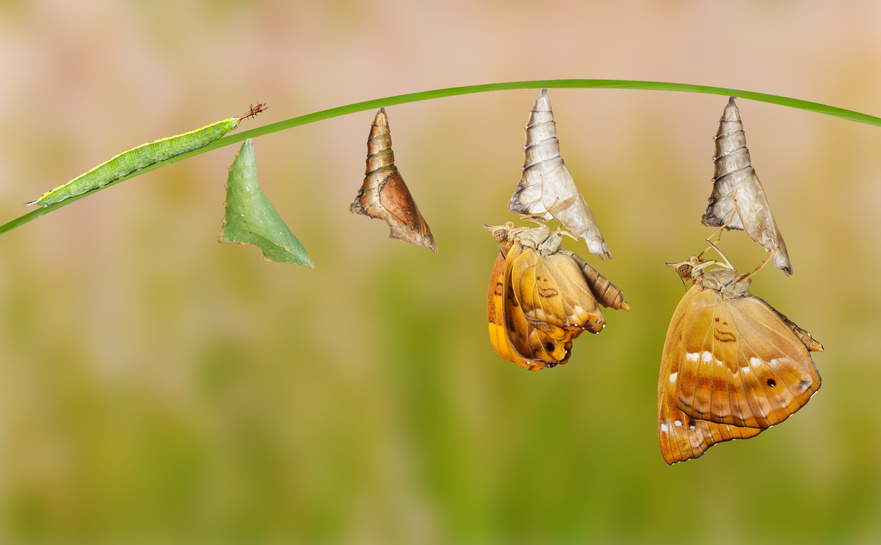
{"x": 384, "y": 195}
{"x": 738, "y": 200}
{"x": 546, "y": 187}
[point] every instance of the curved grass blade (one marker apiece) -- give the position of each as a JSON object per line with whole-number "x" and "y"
{"x": 251, "y": 219}
{"x": 809, "y": 106}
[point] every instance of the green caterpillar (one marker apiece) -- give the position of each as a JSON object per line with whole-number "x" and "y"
{"x": 142, "y": 156}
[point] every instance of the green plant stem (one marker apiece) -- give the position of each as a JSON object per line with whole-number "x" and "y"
{"x": 816, "y": 107}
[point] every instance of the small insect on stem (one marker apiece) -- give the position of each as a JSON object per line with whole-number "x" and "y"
{"x": 143, "y": 156}
{"x": 254, "y": 110}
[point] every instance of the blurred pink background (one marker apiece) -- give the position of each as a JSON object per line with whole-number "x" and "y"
{"x": 157, "y": 386}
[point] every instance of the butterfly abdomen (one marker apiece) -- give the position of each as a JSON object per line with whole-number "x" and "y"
{"x": 606, "y": 293}
{"x": 810, "y": 343}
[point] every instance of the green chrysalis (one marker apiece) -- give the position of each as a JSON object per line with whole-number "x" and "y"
{"x": 143, "y": 156}
{"x": 251, "y": 219}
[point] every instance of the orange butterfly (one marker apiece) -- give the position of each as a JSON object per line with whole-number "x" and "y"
{"x": 732, "y": 365}
{"x": 384, "y": 195}
{"x": 542, "y": 297}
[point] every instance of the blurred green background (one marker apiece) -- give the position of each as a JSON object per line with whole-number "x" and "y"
{"x": 156, "y": 386}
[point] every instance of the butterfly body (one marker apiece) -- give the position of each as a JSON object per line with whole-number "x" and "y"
{"x": 541, "y": 298}
{"x": 732, "y": 366}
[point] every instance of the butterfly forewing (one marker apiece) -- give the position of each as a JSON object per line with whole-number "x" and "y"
{"x": 551, "y": 289}
{"x": 680, "y": 436}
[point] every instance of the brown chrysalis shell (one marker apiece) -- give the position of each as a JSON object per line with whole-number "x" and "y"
{"x": 546, "y": 189}
{"x": 732, "y": 365}
{"x": 738, "y": 200}
{"x": 542, "y": 297}
{"x": 384, "y": 195}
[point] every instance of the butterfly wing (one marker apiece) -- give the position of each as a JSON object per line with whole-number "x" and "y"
{"x": 680, "y": 435}
{"x": 552, "y": 289}
{"x": 531, "y": 344}
{"x": 744, "y": 366}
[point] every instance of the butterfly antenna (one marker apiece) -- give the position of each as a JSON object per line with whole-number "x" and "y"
{"x": 718, "y": 251}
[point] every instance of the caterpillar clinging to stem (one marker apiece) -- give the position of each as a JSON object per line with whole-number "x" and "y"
{"x": 143, "y": 156}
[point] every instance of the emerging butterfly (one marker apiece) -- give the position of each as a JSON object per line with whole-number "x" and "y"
{"x": 384, "y": 195}
{"x": 542, "y": 297}
{"x": 546, "y": 189}
{"x": 738, "y": 200}
{"x": 732, "y": 365}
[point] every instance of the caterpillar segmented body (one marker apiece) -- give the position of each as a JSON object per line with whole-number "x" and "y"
{"x": 141, "y": 157}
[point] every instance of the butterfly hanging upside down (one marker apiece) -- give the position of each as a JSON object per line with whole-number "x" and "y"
{"x": 732, "y": 365}
{"x": 542, "y": 297}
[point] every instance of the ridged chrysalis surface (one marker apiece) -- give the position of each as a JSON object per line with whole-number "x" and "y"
{"x": 249, "y": 217}
{"x": 384, "y": 195}
{"x": 738, "y": 200}
{"x": 546, "y": 187}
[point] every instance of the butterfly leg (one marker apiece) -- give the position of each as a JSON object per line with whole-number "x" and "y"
{"x": 537, "y": 217}
{"x": 761, "y": 265}
{"x": 718, "y": 232}
{"x": 718, "y": 251}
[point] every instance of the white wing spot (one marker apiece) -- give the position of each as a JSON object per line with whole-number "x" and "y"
{"x": 692, "y": 426}
{"x": 673, "y": 377}
{"x": 706, "y": 356}
{"x": 677, "y": 423}
{"x": 663, "y": 426}
{"x": 691, "y": 356}
{"x": 755, "y": 362}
